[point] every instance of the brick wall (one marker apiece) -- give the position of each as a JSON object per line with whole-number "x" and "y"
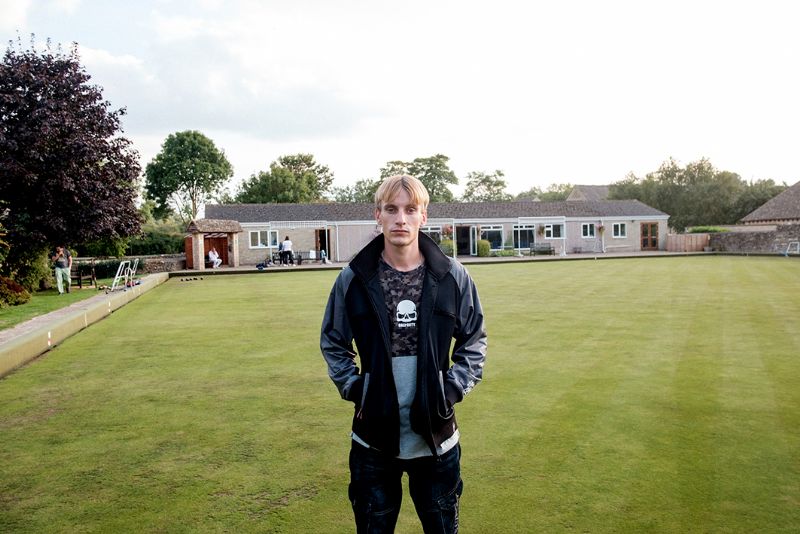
{"x": 757, "y": 242}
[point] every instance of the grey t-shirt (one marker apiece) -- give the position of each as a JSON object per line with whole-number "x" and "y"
{"x": 62, "y": 261}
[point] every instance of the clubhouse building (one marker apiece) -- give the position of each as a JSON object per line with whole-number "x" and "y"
{"x": 342, "y": 229}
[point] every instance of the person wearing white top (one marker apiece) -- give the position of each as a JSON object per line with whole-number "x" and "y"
{"x": 286, "y": 252}
{"x": 213, "y": 257}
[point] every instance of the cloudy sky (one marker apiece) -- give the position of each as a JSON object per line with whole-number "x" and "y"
{"x": 549, "y": 92}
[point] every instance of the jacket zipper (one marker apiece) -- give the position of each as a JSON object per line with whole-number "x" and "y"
{"x": 363, "y": 396}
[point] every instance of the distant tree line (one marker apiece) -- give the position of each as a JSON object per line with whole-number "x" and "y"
{"x": 697, "y": 194}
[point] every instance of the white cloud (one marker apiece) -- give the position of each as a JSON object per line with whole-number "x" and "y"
{"x": 548, "y": 92}
{"x": 65, "y": 6}
{"x": 14, "y": 14}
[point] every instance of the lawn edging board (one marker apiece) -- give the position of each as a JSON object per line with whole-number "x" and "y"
{"x": 57, "y": 326}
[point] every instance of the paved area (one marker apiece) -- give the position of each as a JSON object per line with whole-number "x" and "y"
{"x": 41, "y": 321}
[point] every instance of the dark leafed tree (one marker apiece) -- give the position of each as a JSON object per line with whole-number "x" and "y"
{"x": 67, "y": 175}
{"x": 188, "y": 171}
{"x": 433, "y": 172}
{"x": 485, "y": 187}
{"x": 293, "y": 178}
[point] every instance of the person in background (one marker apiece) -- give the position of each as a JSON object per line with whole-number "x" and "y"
{"x": 287, "y": 251}
{"x": 213, "y": 257}
{"x": 63, "y": 264}
{"x": 402, "y": 302}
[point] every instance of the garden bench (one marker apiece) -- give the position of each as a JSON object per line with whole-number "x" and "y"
{"x": 82, "y": 275}
{"x": 542, "y": 248}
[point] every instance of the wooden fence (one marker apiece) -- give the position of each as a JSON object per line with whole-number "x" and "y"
{"x": 687, "y": 242}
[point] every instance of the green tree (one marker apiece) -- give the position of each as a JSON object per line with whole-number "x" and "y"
{"x": 361, "y": 191}
{"x": 556, "y": 192}
{"x": 695, "y": 195}
{"x": 553, "y": 193}
{"x": 187, "y": 171}
{"x": 531, "y": 194}
{"x": 317, "y": 177}
{"x": 67, "y": 175}
{"x": 754, "y": 195}
{"x": 485, "y": 187}
{"x": 293, "y": 178}
{"x": 433, "y": 172}
{"x": 158, "y": 236}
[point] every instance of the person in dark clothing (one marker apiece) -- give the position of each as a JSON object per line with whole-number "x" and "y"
{"x": 402, "y": 302}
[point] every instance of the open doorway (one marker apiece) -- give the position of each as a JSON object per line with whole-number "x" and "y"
{"x": 322, "y": 240}
{"x": 467, "y": 240}
{"x": 462, "y": 240}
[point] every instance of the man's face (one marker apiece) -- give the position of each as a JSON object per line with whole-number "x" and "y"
{"x": 401, "y": 220}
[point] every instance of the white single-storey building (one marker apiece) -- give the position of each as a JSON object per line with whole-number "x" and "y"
{"x": 342, "y": 229}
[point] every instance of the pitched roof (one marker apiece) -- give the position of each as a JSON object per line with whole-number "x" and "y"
{"x": 589, "y": 192}
{"x": 338, "y": 212}
{"x": 208, "y": 226}
{"x": 785, "y": 206}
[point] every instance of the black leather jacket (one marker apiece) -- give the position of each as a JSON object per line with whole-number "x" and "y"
{"x": 449, "y": 309}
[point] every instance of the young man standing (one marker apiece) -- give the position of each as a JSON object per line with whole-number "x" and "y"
{"x": 403, "y": 301}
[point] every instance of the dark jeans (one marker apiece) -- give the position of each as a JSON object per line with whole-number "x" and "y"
{"x": 376, "y": 490}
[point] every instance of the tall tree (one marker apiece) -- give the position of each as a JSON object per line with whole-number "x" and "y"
{"x": 276, "y": 185}
{"x": 485, "y": 187}
{"x": 188, "y": 170}
{"x": 318, "y": 178}
{"x": 433, "y": 172}
{"x": 292, "y": 178}
{"x": 67, "y": 175}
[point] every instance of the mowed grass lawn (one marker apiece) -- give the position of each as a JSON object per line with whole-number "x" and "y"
{"x": 637, "y": 395}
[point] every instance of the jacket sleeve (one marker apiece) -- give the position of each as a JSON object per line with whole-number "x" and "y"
{"x": 469, "y": 351}
{"x": 336, "y": 341}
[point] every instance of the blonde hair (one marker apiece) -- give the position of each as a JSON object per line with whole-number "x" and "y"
{"x": 391, "y": 186}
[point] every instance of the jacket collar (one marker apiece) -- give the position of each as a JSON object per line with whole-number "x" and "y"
{"x": 365, "y": 263}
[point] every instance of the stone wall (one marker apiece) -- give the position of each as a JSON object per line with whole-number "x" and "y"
{"x": 774, "y": 242}
{"x": 161, "y": 264}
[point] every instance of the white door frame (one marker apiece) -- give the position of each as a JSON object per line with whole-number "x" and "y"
{"x": 473, "y": 240}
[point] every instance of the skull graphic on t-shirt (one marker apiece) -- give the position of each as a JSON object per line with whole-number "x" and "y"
{"x": 406, "y": 312}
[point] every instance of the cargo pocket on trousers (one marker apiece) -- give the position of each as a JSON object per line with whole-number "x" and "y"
{"x": 448, "y": 508}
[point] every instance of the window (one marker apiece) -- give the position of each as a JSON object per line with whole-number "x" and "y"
{"x": 273, "y": 238}
{"x": 434, "y": 232}
{"x": 587, "y": 230}
{"x": 524, "y": 235}
{"x": 553, "y": 231}
{"x": 494, "y": 235}
{"x": 259, "y": 238}
{"x": 620, "y": 230}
